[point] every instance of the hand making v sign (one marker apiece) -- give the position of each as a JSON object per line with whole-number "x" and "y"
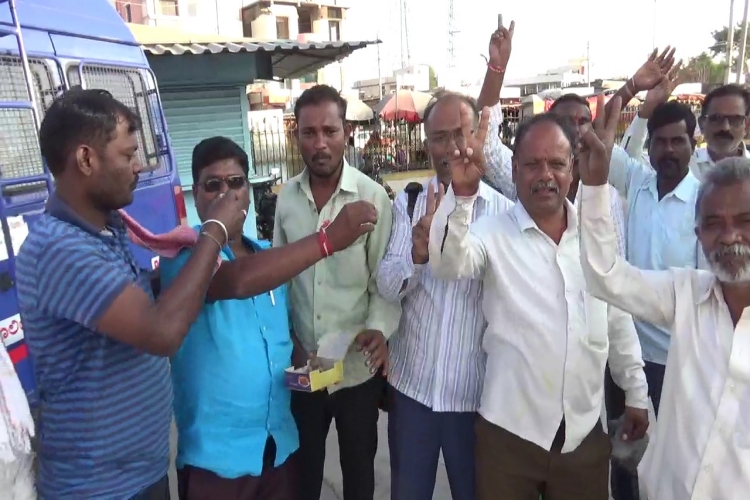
{"x": 599, "y": 139}
{"x": 420, "y": 233}
{"x": 467, "y": 163}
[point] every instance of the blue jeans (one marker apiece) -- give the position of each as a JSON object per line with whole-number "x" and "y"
{"x": 416, "y": 434}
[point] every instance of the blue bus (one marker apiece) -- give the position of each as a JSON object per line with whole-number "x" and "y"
{"x": 46, "y": 47}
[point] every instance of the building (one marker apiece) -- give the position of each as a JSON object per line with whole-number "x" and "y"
{"x": 218, "y": 17}
{"x": 415, "y": 77}
{"x": 572, "y": 74}
{"x": 302, "y": 21}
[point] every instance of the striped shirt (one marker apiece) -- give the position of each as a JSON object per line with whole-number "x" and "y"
{"x": 436, "y": 354}
{"x": 105, "y": 406}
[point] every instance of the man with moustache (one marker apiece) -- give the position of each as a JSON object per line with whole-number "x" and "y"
{"x": 338, "y": 295}
{"x": 437, "y": 362}
{"x": 700, "y": 447}
{"x": 547, "y": 339}
{"x": 724, "y": 121}
{"x": 661, "y": 210}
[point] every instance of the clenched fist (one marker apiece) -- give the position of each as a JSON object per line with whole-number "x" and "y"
{"x": 354, "y": 220}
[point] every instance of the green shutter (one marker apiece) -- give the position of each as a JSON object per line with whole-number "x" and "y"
{"x": 195, "y": 115}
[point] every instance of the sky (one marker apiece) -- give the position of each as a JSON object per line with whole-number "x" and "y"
{"x": 548, "y": 33}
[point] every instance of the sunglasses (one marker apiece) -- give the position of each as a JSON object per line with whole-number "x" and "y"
{"x": 233, "y": 182}
{"x": 734, "y": 120}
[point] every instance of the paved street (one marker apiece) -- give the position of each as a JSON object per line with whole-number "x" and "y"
{"x": 332, "y": 489}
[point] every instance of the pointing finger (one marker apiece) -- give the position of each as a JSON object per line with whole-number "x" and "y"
{"x": 484, "y": 125}
{"x": 614, "y": 117}
{"x": 430, "y": 201}
{"x": 599, "y": 121}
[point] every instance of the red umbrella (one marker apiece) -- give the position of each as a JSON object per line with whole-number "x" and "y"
{"x": 406, "y": 105}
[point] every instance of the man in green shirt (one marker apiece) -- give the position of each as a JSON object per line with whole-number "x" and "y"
{"x": 338, "y": 295}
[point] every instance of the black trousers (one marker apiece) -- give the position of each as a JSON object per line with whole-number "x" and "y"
{"x": 355, "y": 411}
{"x": 624, "y": 484}
{"x": 157, "y": 491}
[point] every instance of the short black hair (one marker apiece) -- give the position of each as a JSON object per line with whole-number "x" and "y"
{"x": 565, "y": 123}
{"x": 447, "y": 95}
{"x": 215, "y": 149}
{"x": 78, "y": 117}
{"x": 731, "y": 89}
{"x": 671, "y": 112}
{"x": 320, "y": 94}
{"x": 573, "y": 98}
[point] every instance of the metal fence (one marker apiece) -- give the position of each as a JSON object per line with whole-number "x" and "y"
{"x": 388, "y": 147}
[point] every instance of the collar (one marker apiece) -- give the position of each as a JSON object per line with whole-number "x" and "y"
{"x": 58, "y": 209}
{"x": 347, "y": 181}
{"x": 701, "y": 154}
{"x": 485, "y": 191}
{"x": 525, "y": 222}
{"x": 685, "y": 190}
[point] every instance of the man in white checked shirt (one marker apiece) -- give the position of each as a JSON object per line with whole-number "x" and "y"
{"x": 437, "y": 362}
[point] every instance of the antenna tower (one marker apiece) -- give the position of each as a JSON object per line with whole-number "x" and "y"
{"x": 452, "y": 32}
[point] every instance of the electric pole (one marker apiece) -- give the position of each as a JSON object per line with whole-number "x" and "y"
{"x": 743, "y": 44}
{"x": 730, "y": 42}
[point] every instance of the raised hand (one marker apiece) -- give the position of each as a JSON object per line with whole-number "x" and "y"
{"x": 501, "y": 45}
{"x": 420, "y": 233}
{"x": 651, "y": 72}
{"x": 598, "y": 140}
{"x": 661, "y": 92}
{"x": 228, "y": 209}
{"x": 467, "y": 163}
{"x": 354, "y": 220}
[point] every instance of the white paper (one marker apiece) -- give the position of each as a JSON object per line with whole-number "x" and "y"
{"x": 19, "y": 230}
{"x": 334, "y": 346}
{"x": 3, "y": 248}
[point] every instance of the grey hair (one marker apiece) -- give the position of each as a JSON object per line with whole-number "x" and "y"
{"x": 726, "y": 172}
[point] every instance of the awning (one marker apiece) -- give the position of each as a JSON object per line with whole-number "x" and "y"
{"x": 290, "y": 59}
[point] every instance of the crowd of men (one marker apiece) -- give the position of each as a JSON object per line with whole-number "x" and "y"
{"x": 501, "y": 300}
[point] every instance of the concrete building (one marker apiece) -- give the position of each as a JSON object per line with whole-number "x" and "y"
{"x": 572, "y": 74}
{"x": 222, "y": 17}
{"x": 415, "y": 77}
{"x": 302, "y": 21}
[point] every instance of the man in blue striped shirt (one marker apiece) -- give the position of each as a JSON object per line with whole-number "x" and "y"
{"x": 98, "y": 337}
{"x": 437, "y": 362}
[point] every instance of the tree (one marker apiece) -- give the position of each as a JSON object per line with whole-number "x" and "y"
{"x": 719, "y": 47}
{"x": 433, "y": 78}
{"x": 702, "y": 69}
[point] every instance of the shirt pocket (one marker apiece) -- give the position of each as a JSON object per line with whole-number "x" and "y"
{"x": 348, "y": 267}
{"x": 679, "y": 243}
{"x": 596, "y": 336}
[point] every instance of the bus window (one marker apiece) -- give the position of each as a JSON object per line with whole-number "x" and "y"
{"x": 19, "y": 142}
{"x": 127, "y": 86}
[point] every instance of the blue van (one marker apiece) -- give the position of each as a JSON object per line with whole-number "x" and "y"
{"x": 46, "y": 47}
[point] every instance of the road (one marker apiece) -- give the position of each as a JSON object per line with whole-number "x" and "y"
{"x": 332, "y": 487}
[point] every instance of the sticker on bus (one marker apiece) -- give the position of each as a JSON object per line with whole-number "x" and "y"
{"x": 155, "y": 263}
{"x": 11, "y": 330}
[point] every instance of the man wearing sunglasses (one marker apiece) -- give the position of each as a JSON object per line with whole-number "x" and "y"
{"x": 237, "y": 436}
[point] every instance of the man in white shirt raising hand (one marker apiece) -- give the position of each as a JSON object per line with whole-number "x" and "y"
{"x": 547, "y": 339}
{"x": 701, "y": 447}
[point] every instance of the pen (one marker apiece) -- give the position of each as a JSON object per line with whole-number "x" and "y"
{"x": 273, "y": 301}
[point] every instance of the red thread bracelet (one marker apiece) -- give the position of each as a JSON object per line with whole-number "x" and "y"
{"x": 325, "y": 244}
{"x": 495, "y": 69}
